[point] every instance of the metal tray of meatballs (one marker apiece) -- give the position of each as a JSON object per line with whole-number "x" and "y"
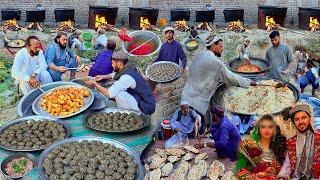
{"x": 63, "y": 101}
{"x": 163, "y": 71}
{"x": 32, "y": 133}
{"x": 116, "y": 120}
{"x": 89, "y": 158}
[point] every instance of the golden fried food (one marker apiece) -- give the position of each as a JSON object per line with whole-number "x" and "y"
{"x": 192, "y": 43}
{"x": 64, "y": 101}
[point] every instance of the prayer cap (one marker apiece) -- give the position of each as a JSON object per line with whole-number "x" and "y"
{"x": 218, "y": 110}
{"x": 300, "y": 107}
{"x": 119, "y": 55}
{"x": 184, "y": 103}
{"x": 169, "y": 28}
{"x": 212, "y": 39}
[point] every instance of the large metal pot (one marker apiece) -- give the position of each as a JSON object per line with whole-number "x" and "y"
{"x": 139, "y": 37}
{"x": 261, "y": 63}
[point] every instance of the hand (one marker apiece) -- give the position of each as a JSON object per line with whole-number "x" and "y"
{"x": 34, "y": 82}
{"x": 253, "y": 83}
{"x": 78, "y": 60}
{"x": 199, "y": 145}
{"x": 98, "y": 78}
{"x": 196, "y": 134}
{"x": 90, "y": 83}
{"x": 62, "y": 69}
{"x": 182, "y": 70}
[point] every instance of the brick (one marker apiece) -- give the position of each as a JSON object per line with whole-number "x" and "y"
{"x": 166, "y": 95}
{"x": 168, "y": 88}
{"x": 176, "y": 92}
{"x": 174, "y": 98}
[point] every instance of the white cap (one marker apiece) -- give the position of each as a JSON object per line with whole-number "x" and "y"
{"x": 212, "y": 39}
{"x": 184, "y": 103}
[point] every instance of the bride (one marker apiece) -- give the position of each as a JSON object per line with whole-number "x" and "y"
{"x": 262, "y": 155}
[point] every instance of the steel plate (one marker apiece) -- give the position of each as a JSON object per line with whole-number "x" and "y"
{"x": 222, "y": 88}
{"x": 36, "y": 107}
{"x": 261, "y": 63}
{"x": 29, "y": 118}
{"x": 164, "y": 62}
{"x": 131, "y": 152}
{"x": 147, "y": 119}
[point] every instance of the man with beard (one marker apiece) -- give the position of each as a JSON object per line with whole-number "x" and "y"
{"x": 29, "y": 67}
{"x": 303, "y": 150}
{"x": 59, "y": 57}
{"x": 205, "y": 73}
{"x": 279, "y": 57}
{"x": 129, "y": 90}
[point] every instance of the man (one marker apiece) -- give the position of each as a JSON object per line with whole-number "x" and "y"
{"x": 243, "y": 50}
{"x": 205, "y": 73}
{"x": 303, "y": 150}
{"x": 103, "y": 65}
{"x": 186, "y": 120}
{"x": 279, "y": 57}
{"x": 130, "y": 90}
{"x": 59, "y": 57}
{"x": 74, "y": 41}
{"x": 172, "y": 49}
{"x": 193, "y": 33}
{"x": 29, "y": 67}
{"x": 225, "y": 135}
{"x": 101, "y": 41}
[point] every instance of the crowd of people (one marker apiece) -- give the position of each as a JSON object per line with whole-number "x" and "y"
{"x": 266, "y": 151}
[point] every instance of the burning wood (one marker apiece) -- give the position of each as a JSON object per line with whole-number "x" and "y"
{"x": 146, "y": 25}
{"x": 236, "y": 26}
{"x": 271, "y": 24}
{"x": 163, "y": 22}
{"x": 205, "y": 26}
{"x": 36, "y": 26}
{"x": 66, "y": 26}
{"x": 314, "y": 24}
{"x": 11, "y": 25}
{"x": 181, "y": 26}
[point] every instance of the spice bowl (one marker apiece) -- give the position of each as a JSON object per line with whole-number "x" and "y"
{"x": 12, "y": 157}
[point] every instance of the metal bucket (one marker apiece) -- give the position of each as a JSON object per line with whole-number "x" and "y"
{"x": 261, "y": 63}
{"x": 139, "y": 37}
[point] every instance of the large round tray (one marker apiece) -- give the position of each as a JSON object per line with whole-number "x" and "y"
{"x": 131, "y": 152}
{"x": 36, "y": 106}
{"x": 261, "y": 63}
{"x": 18, "y": 43}
{"x": 114, "y": 110}
{"x": 29, "y": 118}
{"x": 221, "y": 89}
{"x": 164, "y": 62}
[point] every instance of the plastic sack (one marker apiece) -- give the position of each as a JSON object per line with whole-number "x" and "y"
{"x": 177, "y": 140}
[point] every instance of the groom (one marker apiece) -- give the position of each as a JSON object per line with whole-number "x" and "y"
{"x": 303, "y": 150}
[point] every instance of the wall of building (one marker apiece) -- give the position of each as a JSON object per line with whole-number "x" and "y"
{"x": 82, "y": 7}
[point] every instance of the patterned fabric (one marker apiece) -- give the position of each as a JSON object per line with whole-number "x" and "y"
{"x": 291, "y": 149}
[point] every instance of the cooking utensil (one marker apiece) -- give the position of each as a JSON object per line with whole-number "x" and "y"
{"x": 35, "y": 118}
{"x": 72, "y": 68}
{"x": 163, "y": 62}
{"x": 142, "y": 44}
{"x": 36, "y": 106}
{"x": 261, "y": 63}
{"x": 14, "y": 156}
{"x": 140, "y": 170}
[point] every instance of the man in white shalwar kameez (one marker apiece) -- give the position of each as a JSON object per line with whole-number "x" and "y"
{"x": 29, "y": 67}
{"x": 205, "y": 73}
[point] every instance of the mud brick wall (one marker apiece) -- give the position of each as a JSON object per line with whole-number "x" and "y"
{"x": 169, "y": 97}
{"x": 82, "y": 7}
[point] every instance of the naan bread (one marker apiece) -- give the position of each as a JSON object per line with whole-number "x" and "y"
{"x": 166, "y": 169}
{"x": 157, "y": 163}
{"x": 175, "y": 152}
{"x": 215, "y": 170}
{"x": 197, "y": 172}
{"x": 161, "y": 152}
{"x": 181, "y": 172}
{"x": 228, "y": 176}
{"x": 200, "y": 157}
{"x": 188, "y": 156}
{"x": 191, "y": 149}
{"x": 155, "y": 174}
{"x": 173, "y": 159}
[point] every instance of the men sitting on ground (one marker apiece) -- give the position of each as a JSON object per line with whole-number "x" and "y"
{"x": 226, "y": 136}
{"x": 29, "y": 67}
{"x": 186, "y": 120}
{"x": 129, "y": 90}
{"x": 59, "y": 57}
{"x": 74, "y": 41}
{"x": 101, "y": 41}
{"x": 103, "y": 64}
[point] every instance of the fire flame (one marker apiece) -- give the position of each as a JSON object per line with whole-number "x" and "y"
{"x": 314, "y": 24}
{"x": 144, "y": 23}
{"x": 66, "y": 23}
{"x": 11, "y": 22}
{"x": 270, "y": 22}
{"x": 101, "y": 21}
{"x": 181, "y": 25}
{"x": 235, "y": 26}
{"x": 162, "y": 22}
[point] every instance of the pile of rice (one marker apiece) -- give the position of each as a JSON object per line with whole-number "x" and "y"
{"x": 258, "y": 99}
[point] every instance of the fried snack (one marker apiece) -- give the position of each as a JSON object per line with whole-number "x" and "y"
{"x": 64, "y": 101}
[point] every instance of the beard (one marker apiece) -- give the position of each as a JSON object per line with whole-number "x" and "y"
{"x": 217, "y": 54}
{"x": 170, "y": 38}
{"x": 32, "y": 53}
{"x": 62, "y": 46}
{"x": 116, "y": 69}
{"x": 308, "y": 128}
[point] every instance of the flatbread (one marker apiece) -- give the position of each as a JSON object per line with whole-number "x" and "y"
{"x": 155, "y": 174}
{"x": 191, "y": 149}
{"x": 215, "y": 170}
{"x": 166, "y": 169}
{"x": 228, "y": 176}
{"x": 161, "y": 152}
{"x": 200, "y": 157}
{"x": 175, "y": 152}
{"x": 173, "y": 159}
{"x": 188, "y": 157}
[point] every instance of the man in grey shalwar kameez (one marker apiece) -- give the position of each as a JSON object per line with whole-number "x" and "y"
{"x": 280, "y": 57}
{"x": 205, "y": 73}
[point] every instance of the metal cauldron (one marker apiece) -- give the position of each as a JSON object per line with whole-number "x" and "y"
{"x": 139, "y": 37}
{"x": 261, "y": 63}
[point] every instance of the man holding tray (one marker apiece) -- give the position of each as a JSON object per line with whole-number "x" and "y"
{"x": 130, "y": 90}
